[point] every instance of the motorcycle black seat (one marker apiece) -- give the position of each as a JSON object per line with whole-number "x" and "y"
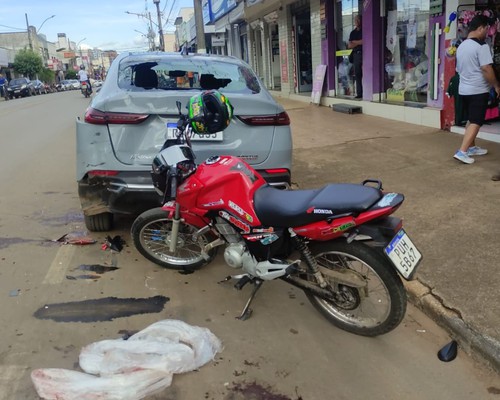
{"x": 291, "y": 208}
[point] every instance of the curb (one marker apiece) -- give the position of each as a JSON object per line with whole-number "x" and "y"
{"x": 472, "y": 342}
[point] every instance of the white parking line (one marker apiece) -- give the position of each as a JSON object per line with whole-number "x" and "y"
{"x": 59, "y": 266}
{"x": 10, "y": 376}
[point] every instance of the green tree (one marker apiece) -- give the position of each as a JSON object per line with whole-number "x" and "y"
{"x": 28, "y": 63}
{"x": 47, "y": 75}
{"x": 70, "y": 74}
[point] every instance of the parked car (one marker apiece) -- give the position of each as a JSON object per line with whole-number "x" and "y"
{"x": 74, "y": 84}
{"x": 135, "y": 111}
{"x": 39, "y": 87}
{"x": 64, "y": 85}
{"x": 20, "y": 87}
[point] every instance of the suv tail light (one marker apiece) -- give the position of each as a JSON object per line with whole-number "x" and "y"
{"x": 266, "y": 120}
{"x": 93, "y": 116}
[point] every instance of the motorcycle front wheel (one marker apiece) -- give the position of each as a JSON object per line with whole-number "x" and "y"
{"x": 151, "y": 233}
{"x": 377, "y": 308}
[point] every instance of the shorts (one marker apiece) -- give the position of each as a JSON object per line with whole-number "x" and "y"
{"x": 476, "y": 106}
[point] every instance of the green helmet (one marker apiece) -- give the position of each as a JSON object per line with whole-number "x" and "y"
{"x": 209, "y": 112}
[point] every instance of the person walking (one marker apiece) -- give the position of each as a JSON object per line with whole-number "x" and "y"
{"x": 474, "y": 65}
{"x": 356, "y": 44}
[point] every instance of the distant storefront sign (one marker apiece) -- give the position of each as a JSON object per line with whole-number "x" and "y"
{"x": 69, "y": 54}
{"x": 207, "y": 12}
{"x": 218, "y": 39}
{"x": 221, "y": 7}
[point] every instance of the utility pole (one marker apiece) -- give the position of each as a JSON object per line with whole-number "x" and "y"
{"x": 29, "y": 35}
{"x": 160, "y": 29}
{"x": 200, "y": 28}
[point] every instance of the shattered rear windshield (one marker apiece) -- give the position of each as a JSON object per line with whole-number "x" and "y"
{"x": 186, "y": 74}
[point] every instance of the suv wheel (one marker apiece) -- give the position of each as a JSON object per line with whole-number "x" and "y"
{"x": 99, "y": 222}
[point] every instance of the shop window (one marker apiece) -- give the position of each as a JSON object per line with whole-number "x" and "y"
{"x": 345, "y": 12}
{"x": 406, "y": 65}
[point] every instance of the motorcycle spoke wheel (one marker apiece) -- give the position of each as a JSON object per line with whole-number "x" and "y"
{"x": 370, "y": 311}
{"x": 152, "y": 232}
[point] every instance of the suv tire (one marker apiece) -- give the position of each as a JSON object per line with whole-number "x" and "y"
{"x": 99, "y": 222}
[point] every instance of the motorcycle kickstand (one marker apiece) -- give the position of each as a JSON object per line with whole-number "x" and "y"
{"x": 247, "y": 311}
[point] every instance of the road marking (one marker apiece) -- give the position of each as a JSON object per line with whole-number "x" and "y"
{"x": 10, "y": 377}
{"x": 59, "y": 266}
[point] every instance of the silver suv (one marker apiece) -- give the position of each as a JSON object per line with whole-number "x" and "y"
{"x": 135, "y": 111}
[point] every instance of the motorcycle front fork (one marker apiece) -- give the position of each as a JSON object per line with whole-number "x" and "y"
{"x": 176, "y": 222}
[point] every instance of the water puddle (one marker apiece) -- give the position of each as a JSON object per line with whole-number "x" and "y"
{"x": 96, "y": 268}
{"x": 98, "y": 310}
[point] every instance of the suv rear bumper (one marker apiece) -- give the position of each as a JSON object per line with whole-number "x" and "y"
{"x": 134, "y": 193}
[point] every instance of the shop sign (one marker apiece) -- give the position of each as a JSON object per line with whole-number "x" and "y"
{"x": 284, "y": 62}
{"x": 221, "y": 7}
{"x": 250, "y": 3}
{"x": 218, "y": 39}
{"x": 69, "y": 54}
{"x": 207, "y": 12}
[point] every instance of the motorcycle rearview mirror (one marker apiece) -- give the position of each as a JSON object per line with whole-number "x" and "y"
{"x": 179, "y": 106}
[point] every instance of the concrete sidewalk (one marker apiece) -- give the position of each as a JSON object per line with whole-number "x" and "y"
{"x": 451, "y": 210}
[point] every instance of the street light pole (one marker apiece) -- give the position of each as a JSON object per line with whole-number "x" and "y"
{"x": 29, "y": 35}
{"x": 160, "y": 29}
{"x": 80, "y": 49}
{"x": 46, "y": 19}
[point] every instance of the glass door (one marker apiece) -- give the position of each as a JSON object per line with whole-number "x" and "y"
{"x": 303, "y": 46}
{"x": 345, "y": 11}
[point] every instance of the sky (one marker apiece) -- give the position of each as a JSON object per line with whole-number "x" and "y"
{"x": 104, "y": 24}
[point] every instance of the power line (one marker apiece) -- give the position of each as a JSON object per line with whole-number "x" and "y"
{"x": 11, "y": 27}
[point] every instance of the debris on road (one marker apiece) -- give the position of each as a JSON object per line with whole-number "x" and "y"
{"x": 131, "y": 369}
{"x": 449, "y": 352}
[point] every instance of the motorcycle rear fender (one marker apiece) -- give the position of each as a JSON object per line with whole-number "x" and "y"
{"x": 189, "y": 217}
{"x": 380, "y": 231}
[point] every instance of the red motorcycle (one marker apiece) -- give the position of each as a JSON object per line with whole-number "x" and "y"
{"x": 339, "y": 243}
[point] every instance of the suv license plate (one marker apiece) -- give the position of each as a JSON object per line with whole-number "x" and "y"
{"x": 172, "y": 134}
{"x": 403, "y": 254}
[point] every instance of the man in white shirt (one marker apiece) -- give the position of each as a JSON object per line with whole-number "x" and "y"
{"x": 83, "y": 77}
{"x": 474, "y": 65}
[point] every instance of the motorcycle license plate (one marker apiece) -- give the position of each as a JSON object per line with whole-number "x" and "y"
{"x": 403, "y": 254}
{"x": 172, "y": 134}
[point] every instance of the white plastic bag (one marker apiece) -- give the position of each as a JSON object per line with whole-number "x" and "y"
{"x": 204, "y": 343}
{"x": 131, "y": 369}
{"x": 62, "y": 384}
{"x": 109, "y": 357}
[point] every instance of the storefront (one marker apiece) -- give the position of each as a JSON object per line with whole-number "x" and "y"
{"x": 301, "y": 46}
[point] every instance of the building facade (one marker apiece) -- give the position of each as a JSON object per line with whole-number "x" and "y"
{"x": 300, "y": 48}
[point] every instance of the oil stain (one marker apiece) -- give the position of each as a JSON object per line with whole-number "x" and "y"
{"x": 493, "y": 390}
{"x": 96, "y": 268}
{"x": 86, "y": 276}
{"x": 254, "y": 391}
{"x": 105, "y": 309}
{"x": 6, "y": 242}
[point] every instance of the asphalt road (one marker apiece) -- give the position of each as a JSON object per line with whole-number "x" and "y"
{"x": 286, "y": 350}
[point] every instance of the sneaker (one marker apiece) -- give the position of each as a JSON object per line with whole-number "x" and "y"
{"x": 476, "y": 151}
{"x": 461, "y": 156}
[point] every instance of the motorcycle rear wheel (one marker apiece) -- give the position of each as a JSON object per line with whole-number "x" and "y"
{"x": 368, "y": 314}
{"x": 151, "y": 235}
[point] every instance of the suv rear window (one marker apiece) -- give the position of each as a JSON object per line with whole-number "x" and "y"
{"x": 186, "y": 74}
